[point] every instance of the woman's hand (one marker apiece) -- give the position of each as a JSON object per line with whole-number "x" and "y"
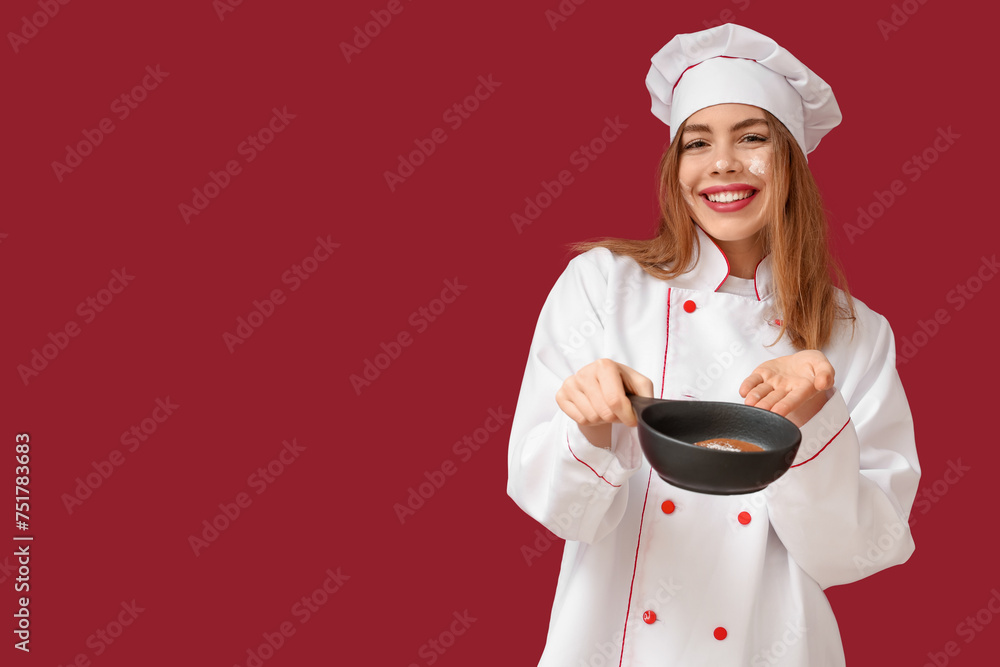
{"x": 794, "y": 386}
{"x": 594, "y": 397}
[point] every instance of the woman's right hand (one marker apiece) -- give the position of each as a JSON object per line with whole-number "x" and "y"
{"x": 594, "y": 397}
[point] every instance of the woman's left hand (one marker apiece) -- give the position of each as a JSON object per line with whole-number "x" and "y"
{"x": 794, "y": 386}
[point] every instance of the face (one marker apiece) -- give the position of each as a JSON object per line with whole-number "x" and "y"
{"x": 725, "y": 171}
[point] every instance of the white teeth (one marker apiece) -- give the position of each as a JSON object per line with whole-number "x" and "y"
{"x": 724, "y": 197}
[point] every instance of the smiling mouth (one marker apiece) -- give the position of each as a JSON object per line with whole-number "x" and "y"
{"x": 726, "y": 197}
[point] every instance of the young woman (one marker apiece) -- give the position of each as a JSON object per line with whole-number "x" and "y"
{"x": 732, "y": 301}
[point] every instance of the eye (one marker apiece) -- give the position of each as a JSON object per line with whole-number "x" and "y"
{"x": 697, "y": 143}
{"x": 755, "y": 138}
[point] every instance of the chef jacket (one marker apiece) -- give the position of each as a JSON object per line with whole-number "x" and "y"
{"x": 652, "y": 574}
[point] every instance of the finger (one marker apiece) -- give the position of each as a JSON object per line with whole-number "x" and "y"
{"x": 791, "y": 401}
{"x": 573, "y": 412}
{"x": 595, "y": 408}
{"x": 576, "y": 400}
{"x": 824, "y": 377}
{"x": 819, "y": 367}
{"x": 587, "y": 392}
{"x": 639, "y": 384}
{"x": 605, "y": 413}
{"x": 757, "y": 393}
{"x": 567, "y": 405}
{"x": 617, "y": 404}
{"x": 752, "y": 381}
{"x": 768, "y": 401}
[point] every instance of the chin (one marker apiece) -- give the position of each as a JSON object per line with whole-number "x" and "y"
{"x": 731, "y": 233}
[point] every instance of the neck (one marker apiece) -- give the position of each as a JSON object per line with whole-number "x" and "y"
{"x": 743, "y": 255}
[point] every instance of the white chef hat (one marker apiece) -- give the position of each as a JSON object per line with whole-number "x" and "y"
{"x": 733, "y": 64}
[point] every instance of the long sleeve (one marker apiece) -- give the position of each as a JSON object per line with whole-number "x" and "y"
{"x": 841, "y": 511}
{"x": 575, "y": 489}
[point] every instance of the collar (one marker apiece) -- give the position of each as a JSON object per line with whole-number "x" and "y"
{"x": 709, "y": 270}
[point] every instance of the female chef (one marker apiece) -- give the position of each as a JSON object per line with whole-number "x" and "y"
{"x": 732, "y": 301}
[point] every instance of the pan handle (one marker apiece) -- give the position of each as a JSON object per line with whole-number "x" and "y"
{"x": 641, "y": 402}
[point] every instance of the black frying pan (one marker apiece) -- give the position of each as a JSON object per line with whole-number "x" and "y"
{"x": 668, "y": 428}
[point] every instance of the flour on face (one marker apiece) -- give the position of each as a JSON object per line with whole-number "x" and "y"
{"x": 758, "y": 167}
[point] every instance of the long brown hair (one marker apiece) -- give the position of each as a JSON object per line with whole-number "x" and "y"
{"x": 803, "y": 268}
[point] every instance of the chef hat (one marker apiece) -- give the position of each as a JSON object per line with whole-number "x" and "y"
{"x": 733, "y": 64}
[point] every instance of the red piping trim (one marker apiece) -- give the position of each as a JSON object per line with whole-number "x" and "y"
{"x": 700, "y": 62}
{"x": 755, "y": 277}
{"x": 667, "y": 345}
{"x": 587, "y": 464}
{"x": 649, "y": 481}
{"x": 635, "y": 566}
{"x": 824, "y": 446}
{"x": 721, "y": 252}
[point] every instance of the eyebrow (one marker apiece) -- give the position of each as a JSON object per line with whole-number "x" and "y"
{"x": 743, "y": 124}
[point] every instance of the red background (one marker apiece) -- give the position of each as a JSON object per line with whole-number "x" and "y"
{"x": 323, "y": 176}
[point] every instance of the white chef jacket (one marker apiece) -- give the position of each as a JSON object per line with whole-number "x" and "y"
{"x": 653, "y": 574}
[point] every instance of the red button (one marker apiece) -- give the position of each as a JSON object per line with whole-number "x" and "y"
{"x": 649, "y": 617}
{"x": 668, "y": 507}
{"x": 744, "y": 518}
{"x": 720, "y": 633}
{"x": 689, "y": 306}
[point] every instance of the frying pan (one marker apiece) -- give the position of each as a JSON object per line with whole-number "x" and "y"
{"x": 668, "y": 429}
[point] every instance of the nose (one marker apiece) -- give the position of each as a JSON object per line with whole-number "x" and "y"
{"x": 725, "y": 161}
